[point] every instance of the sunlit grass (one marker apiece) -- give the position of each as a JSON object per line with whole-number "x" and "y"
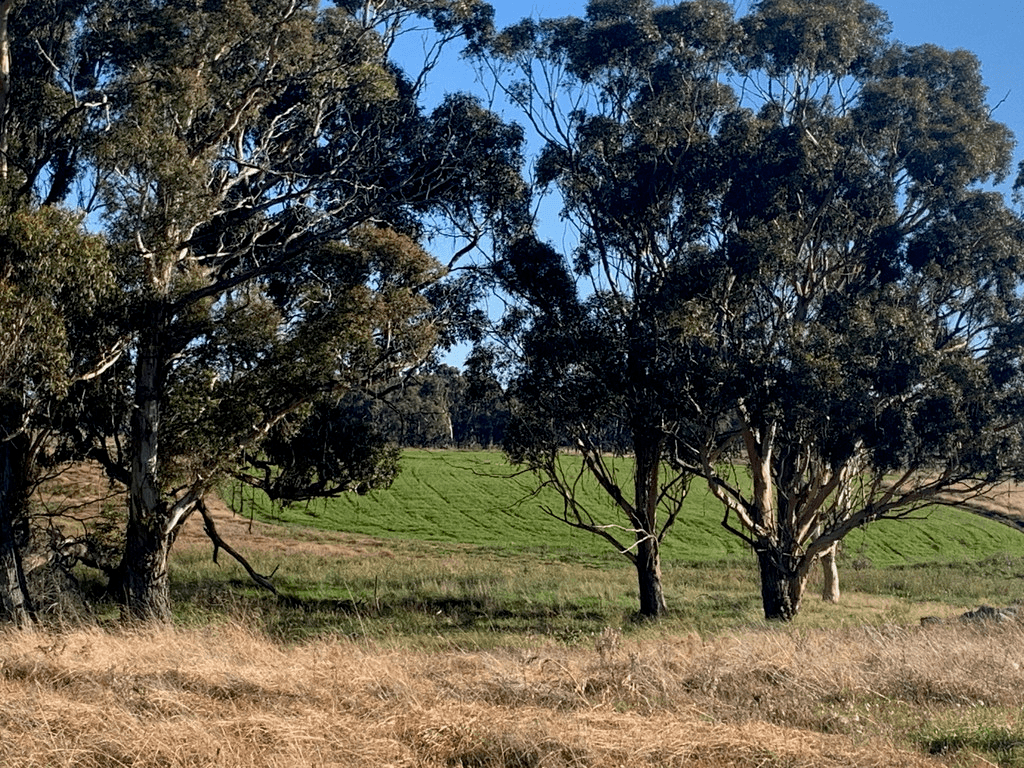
{"x": 424, "y": 593}
{"x": 222, "y": 692}
{"x": 404, "y": 651}
{"x": 476, "y": 498}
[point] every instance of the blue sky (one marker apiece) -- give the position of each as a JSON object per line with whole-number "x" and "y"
{"x": 991, "y": 29}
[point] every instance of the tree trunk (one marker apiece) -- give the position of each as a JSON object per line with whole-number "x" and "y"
{"x": 5, "y": 82}
{"x": 782, "y": 586}
{"x": 647, "y": 449}
{"x": 14, "y": 600}
{"x": 830, "y": 571}
{"x": 144, "y": 585}
{"x": 648, "y": 569}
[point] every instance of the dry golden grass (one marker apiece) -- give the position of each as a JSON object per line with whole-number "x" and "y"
{"x": 225, "y": 696}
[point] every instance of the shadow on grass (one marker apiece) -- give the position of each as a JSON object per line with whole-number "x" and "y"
{"x": 466, "y": 611}
{"x": 480, "y": 621}
{"x": 1001, "y": 745}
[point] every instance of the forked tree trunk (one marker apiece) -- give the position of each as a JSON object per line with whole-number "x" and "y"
{"x": 830, "y": 572}
{"x": 14, "y": 600}
{"x": 782, "y": 586}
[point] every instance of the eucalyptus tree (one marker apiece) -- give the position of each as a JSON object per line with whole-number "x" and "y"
{"x": 267, "y": 174}
{"x": 41, "y": 112}
{"x": 56, "y": 283}
{"x": 789, "y": 280}
{"x": 859, "y": 340}
{"x": 626, "y": 102}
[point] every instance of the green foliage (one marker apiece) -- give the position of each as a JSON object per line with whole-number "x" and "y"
{"x": 626, "y": 102}
{"x": 54, "y": 279}
{"x": 863, "y": 332}
{"x": 833, "y": 36}
{"x": 263, "y": 174}
{"x": 56, "y": 296}
{"x": 333, "y": 450}
{"x": 266, "y": 211}
{"x": 43, "y": 121}
{"x": 784, "y": 254}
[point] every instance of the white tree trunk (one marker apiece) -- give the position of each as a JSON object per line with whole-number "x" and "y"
{"x": 5, "y": 81}
{"x": 830, "y": 572}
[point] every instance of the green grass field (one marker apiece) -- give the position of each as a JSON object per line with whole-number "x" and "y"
{"x": 476, "y": 498}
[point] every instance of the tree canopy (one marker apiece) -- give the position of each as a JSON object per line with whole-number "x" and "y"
{"x": 264, "y": 176}
{"x": 788, "y": 279}
{"x": 787, "y": 275}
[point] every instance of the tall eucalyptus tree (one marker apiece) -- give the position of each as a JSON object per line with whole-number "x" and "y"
{"x": 859, "y": 346}
{"x": 627, "y": 102}
{"x": 266, "y": 172}
{"x": 787, "y": 280}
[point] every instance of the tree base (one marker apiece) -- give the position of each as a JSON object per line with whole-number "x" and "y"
{"x": 781, "y": 590}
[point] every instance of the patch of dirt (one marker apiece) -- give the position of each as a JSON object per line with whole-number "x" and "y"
{"x": 254, "y": 536}
{"x": 81, "y": 493}
{"x": 1004, "y": 504}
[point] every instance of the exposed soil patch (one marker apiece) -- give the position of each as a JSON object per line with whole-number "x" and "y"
{"x": 255, "y": 536}
{"x": 81, "y": 494}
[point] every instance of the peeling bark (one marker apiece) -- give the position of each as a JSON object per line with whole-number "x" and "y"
{"x": 5, "y": 81}
{"x": 144, "y": 586}
{"x": 830, "y": 572}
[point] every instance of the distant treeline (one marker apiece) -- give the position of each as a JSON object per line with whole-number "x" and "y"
{"x": 442, "y": 408}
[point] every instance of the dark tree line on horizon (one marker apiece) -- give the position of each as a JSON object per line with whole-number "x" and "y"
{"x": 442, "y": 407}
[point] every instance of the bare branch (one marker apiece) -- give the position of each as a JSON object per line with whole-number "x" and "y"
{"x": 218, "y": 544}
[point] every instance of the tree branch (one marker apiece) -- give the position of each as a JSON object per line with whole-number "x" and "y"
{"x": 218, "y": 544}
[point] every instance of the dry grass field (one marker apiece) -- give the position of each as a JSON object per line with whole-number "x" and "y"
{"x": 221, "y": 692}
{"x": 224, "y": 696}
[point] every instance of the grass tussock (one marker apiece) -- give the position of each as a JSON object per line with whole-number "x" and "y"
{"x": 225, "y": 695}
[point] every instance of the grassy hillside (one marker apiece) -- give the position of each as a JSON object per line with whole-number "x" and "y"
{"x": 477, "y": 498}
